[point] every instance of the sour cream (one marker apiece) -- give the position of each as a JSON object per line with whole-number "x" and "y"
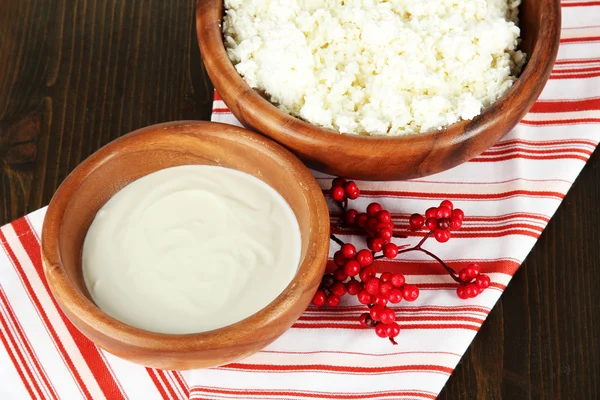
{"x": 190, "y": 249}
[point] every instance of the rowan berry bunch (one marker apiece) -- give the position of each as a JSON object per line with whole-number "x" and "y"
{"x": 378, "y": 291}
{"x": 472, "y": 282}
{"x": 440, "y": 221}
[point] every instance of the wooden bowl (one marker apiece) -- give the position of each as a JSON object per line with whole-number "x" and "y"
{"x": 386, "y": 158}
{"x": 144, "y": 151}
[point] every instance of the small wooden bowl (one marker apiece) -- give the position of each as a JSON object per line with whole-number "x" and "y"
{"x": 386, "y": 158}
{"x": 144, "y": 151}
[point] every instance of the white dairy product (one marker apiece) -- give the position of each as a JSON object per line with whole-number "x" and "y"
{"x": 190, "y": 249}
{"x": 376, "y": 67}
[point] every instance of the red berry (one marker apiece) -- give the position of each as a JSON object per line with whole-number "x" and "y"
{"x": 319, "y": 298}
{"x": 385, "y": 225}
{"x": 385, "y": 277}
{"x": 361, "y": 220}
{"x": 443, "y": 223}
{"x": 328, "y": 280}
{"x": 371, "y": 225}
{"x": 339, "y": 259}
{"x": 390, "y": 250}
{"x": 339, "y": 289}
{"x": 384, "y": 217}
{"x": 350, "y": 216}
{"x": 395, "y": 296}
{"x": 447, "y": 204}
{"x": 353, "y": 287}
{"x": 461, "y": 293}
{"x": 463, "y": 275}
{"x": 388, "y": 316}
{"x": 470, "y": 272}
{"x": 381, "y": 330}
{"x": 380, "y": 299}
{"x": 364, "y": 257}
{"x": 350, "y": 187}
{"x": 458, "y": 213}
{"x": 416, "y": 222}
{"x": 375, "y": 244}
{"x": 352, "y": 268}
{"x": 482, "y": 281}
{"x": 337, "y": 193}
{"x": 443, "y": 212}
{"x": 385, "y": 234}
{"x": 340, "y": 275}
{"x": 441, "y": 235}
{"x": 398, "y": 280}
{"x": 363, "y": 319}
{"x": 366, "y": 321}
{"x": 455, "y": 223}
{"x": 353, "y": 195}
{"x": 376, "y": 312}
{"x": 348, "y": 250}
{"x": 366, "y": 273}
{"x": 471, "y": 290}
{"x": 373, "y": 209}
{"x": 364, "y": 297}
{"x": 333, "y": 300}
{"x": 385, "y": 288}
{"x": 372, "y": 285}
{"x": 431, "y": 212}
{"x": 473, "y": 270}
{"x": 431, "y": 223}
{"x": 392, "y": 330}
{"x": 410, "y": 292}
{"x": 338, "y": 182}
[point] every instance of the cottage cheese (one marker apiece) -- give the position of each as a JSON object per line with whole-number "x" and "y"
{"x": 373, "y": 66}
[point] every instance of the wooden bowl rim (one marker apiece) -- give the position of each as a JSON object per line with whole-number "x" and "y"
{"x": 71, "y": 298}
{"x": 537, "y": 69}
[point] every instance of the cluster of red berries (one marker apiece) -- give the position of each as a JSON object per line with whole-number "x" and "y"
{"x": 342, "y": 190}
{"x": 439, "y": 220}
{"x": 378, "y": 224}
{"x": 356, "y": 276}
{"x": 377, "y": 293}
{"x": 472, "y": 282}
{"x": 370, "y": 290}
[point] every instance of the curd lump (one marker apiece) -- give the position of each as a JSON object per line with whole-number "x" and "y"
{"x": 373, "y": 66}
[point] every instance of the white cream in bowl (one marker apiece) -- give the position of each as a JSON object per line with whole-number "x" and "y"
{"x": 190, "y": 249}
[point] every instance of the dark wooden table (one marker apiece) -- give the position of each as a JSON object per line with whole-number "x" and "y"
{"x": 76, "y": 74}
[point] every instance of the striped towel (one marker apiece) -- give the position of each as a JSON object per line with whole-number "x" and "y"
{"x": 509, "y": 194}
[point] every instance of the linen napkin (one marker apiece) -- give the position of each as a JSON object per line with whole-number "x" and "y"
{"x": 508, "y": 193}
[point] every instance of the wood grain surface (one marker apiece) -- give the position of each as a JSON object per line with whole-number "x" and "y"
{"x": 76, "y": 74}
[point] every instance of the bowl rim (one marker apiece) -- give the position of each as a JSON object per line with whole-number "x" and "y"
{"x": 210, "y": 40}
{"x": 74, "y": 302}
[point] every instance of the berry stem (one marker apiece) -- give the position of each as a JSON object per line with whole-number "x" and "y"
{"x": 452, "y": 273}
{"x": 418, "y": 247}
{"x": 427, "y": 236}
{"x": 414, "y": 248}
{"x": 336, "y": 239}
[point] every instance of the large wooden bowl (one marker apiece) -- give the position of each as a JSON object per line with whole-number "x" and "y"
{"x": 130, "y": 157}
{"x": 377, "y": 158}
